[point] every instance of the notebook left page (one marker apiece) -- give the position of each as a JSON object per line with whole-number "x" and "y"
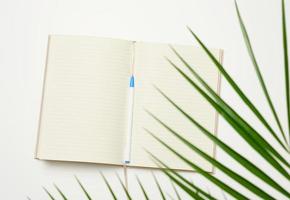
{"x": 83, "y": 114}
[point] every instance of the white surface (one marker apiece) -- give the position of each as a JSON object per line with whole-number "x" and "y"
{"x": 24, "y": 29}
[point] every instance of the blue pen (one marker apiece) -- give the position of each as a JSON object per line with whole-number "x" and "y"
{"x": 127, "y": 152}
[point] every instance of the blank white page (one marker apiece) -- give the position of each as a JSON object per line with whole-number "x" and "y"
{"x": 84, "y": 107}
{"x": 152, "y": 68}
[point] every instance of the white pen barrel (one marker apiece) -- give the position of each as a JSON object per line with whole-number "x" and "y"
{"x": 127, "y": 151}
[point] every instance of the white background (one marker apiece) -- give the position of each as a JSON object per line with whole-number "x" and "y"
{"x": 24, "y": 27}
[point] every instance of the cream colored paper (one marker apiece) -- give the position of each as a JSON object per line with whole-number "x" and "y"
{"x": 83, "y": 114}
{"x": 151, "y": 68}
{"x": 85, "y": 96}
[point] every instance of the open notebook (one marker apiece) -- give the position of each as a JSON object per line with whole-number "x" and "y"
{"x": 84, "y": 112}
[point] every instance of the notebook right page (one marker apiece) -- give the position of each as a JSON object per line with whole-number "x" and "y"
{"x": 151, "y": 68}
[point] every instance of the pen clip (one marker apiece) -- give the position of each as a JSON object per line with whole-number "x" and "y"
{"x": 132, "y": 81}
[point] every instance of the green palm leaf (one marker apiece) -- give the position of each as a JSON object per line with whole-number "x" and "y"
{"x": 175, "y": 191}
{"x": 49, "y": 194}
{"x": 192, "y": 194}
{"x": 124, "y": 188}
{"x": 191, "y": 188}
{"x": 83, "y": 189}
{"x": 249, "y": 131}
{"x": 231, "y": 152}
{"x": 286, "y": 64}
{"x": 159, "y": 187}
{"x": 142, "y": 188}
{"x": 185, "y": 188}
{"x": 228, "y": 108}
{"x": 258, "y": 72}
{"x": 235, "y": 176}
{"x": 60, "y": 192}
{"x": 236, "y": 125}
{"x": 242, "y": 95}
{"x": 208, "y": 176}
{"x": 242, "y": 127}
{"x": 109, "y": 187}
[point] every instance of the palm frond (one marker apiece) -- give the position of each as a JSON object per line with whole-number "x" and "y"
{"x": 158, "y": 186}
{"x": 208, "y": 176}
{"x": 60, "y": 192}
{"x": 249, "y": 131}
{"x": 286, "y": 65}
{"x": 175, "y": 191}
{"x": 83, "y": 189}
{"x": 230, "y": 110}
{"x": 235, "y": 176}
{"x": 124, "y": 188}
{"x": 190, "y": 188}
{"x": 236, "y": 125}
{"x": 254, "y": 139}
{"x": 236, "y": 88}
{"x": 49, "y": 194}
{"x": 231, "y": 152}
{"x": 258, "y": 72}
{"x": 109, "y": 186}
{"x": 142, "y": 188}
{"x": 193, "y": 193}
{"x": 205, "y": 174}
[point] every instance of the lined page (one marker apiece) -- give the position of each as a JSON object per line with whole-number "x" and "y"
{"x": 152, "y": 68}
{"x": 84, "y": 102}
